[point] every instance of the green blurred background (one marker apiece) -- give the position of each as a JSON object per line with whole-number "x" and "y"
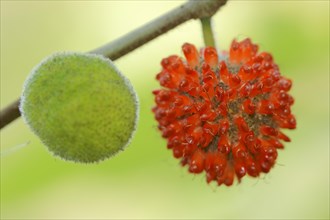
{"x": 145, "y": 181}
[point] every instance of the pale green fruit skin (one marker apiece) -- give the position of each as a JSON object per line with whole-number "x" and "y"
{"x": 80, "y": 106}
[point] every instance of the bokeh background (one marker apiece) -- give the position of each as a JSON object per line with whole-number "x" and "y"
{"x": 145, "y": 181}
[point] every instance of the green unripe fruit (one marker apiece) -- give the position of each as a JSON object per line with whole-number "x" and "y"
{"x": 80, "y": 106}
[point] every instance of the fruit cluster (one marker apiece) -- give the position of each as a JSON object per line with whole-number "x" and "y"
{"x": 224, "y": 114}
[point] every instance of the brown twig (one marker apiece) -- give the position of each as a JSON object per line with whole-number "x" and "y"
{"x": 9, "y": 114}
{"x": 129, "y": 42}
{"x": 159, "y": 26}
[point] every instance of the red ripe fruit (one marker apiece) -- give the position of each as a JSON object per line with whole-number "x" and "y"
{"x": 224, "y": 116}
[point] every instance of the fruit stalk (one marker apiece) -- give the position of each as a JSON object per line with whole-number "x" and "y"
{"x": 208, "y": 34}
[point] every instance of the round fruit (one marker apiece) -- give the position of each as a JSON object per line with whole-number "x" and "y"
{"x": 80, "y": 106}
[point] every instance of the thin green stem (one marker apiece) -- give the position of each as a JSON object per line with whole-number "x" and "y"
{"x": 208, "y": 34}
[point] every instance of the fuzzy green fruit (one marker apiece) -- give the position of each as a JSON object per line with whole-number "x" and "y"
{"x": 80, "y": 106}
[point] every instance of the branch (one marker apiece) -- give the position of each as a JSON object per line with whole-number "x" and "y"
{"x": 159, "y": 26}
{"x": 9, "y": 113}
{"x": 138, "y": 37}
